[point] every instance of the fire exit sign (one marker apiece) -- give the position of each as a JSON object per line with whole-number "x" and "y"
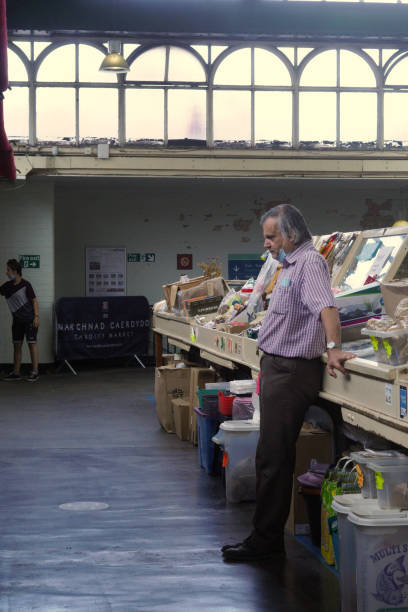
{"x": 29, "y": 261}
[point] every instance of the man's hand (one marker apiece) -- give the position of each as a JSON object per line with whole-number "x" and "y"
{"x": 336, "y": 359}
{"x": 36, "y": 321}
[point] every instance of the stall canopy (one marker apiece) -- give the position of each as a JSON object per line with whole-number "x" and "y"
{"x": 7, "y": 167}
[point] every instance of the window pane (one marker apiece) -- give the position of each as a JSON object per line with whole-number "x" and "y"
{"x": 202, "y": 50}
{"x": 59, "y": 65}
{"x": 187, "y": 114}
{"x": 273, "y": 115}
{"x": 317, "y": 116}
{"x": 128, "y": 49}
{"x": 302, "y": 52}
{"x": 39, "y": 47}
{"x": 149, "y": 66}
{"x": 269, "y": 69}
{"x": 354, "y": 71}
{"x": 320, "y": 71}
{"x": 90, "y": 60}
{"x": 183, "y": 66}
{"x": 289, "y": 52}
{"x": 395, "y": 116}
{"x": 232, "y": 115}
{"x": 25, "y": 47}
{"x": 399, "y": 74}
{"x": 16, "y": 113}
{"x": 98, "y": 113}
{"x": 55, "y": 113}
{"x": 16, "y": 68}
{"x": 374, "y": 54}
{"x": 144, "y": 114}
{"x": 235, "y": 69}
{"x": 358, "y": 117}
{"x": 387, "y": 53}
{"x": 216, "y": 50}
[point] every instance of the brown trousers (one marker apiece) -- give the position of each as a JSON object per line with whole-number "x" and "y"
{"x": 288, "y": 387}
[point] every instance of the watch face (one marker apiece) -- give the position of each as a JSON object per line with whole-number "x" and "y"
{"x": 331, "y": 345}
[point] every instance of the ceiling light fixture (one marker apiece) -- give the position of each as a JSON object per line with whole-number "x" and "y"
{"x": 114, "y": 61}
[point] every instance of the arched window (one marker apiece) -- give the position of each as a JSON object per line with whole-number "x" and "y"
{"x": 321, "y": 70}
{"x": 58, "y": 66}
{"x": 235, "y": 69}
{"x": 16, "y": 69}
{"x": 149, "y": 66}
{"x": 395, "y": 103}
{"x": 183, "y": 66}
{"x": 89, "y": 61}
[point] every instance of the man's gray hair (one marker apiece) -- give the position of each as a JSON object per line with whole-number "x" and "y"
{"x": 291, "y": 222}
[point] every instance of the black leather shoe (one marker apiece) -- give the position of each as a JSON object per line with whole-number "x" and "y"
{"x": 243, "y": 552}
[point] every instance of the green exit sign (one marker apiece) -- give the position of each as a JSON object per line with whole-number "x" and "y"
{"x": 29, "y": 261}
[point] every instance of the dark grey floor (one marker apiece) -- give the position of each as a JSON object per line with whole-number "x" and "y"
{"x": 96, "y": 438}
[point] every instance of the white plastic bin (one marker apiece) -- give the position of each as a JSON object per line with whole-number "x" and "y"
{"x": 381, "y": 545}
{"x": 366, "y": 474}
{"x": 240, "y": 441}
{"x": 343, "y": 505}
{"x": 242, "y": 387}
{"x": 390, "y": 347}
{"x": 392, "y": 484}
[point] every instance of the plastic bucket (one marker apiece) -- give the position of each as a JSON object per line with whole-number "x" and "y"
{"x": 381, "y": 547}
{"x": 225, "y": 403}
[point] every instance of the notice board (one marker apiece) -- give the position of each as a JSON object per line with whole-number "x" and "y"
{"x": 105, "y": 271}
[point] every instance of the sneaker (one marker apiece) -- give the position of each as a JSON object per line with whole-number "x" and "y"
{"x": 33, "y": 377}
{"x": 12, "y": 376}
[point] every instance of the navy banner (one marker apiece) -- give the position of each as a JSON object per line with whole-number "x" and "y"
{"x": 101, "y": 328}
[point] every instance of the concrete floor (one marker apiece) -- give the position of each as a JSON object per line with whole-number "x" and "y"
{"x": 156, "y": 547}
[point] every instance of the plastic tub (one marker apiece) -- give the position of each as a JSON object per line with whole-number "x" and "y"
{"x": 243, "y": 387}
{"x": 217, "y": 386}
{"x": 381, "y": 545}
{"x": 203, "y": 392}
{"x": 390, "y": 347}
{"x": 209, "y": 405}
{"x": 242, "y": 409}
{"x": 240, "y": 442}
{"x": 392, "y": 484}
{"x": 343, "y": 505}
{"x": 225, "y": 403}
{"x": 366, "y": 476}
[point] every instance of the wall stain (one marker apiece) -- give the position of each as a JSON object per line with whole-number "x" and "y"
{"x": 208, "y": 216}
{"x": 242, "y": 225}
{"x": 245, "y": 239}
{"x": 181, "y": 217}
{"x": 262, "y": 208}
{"x": 376, "y": 214}
{"x": 217, "y": 228}
{"x": 186, "y": 225}
{"x": 146, "y": 220}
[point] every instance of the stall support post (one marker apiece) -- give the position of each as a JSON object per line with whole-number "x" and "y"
{"x": 158, "y": 349}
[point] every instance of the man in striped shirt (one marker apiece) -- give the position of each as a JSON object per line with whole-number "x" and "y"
{"x": 301, "y": 324}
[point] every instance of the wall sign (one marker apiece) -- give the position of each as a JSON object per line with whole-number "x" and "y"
{"x": 29, "y": 261}
{"x": 242, "y": 266}
{"x": 184, "y": 261}
{"x": 141, "y": 258}
{"x": 105, "y": 271}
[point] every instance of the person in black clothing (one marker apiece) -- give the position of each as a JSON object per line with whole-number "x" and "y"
{"x": 23, "y": 305}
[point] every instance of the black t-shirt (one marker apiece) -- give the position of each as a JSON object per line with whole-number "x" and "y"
{"x": 19, "y": 299}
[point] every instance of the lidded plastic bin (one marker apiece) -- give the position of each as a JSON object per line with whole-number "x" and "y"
{"x": 207, "y": 427}
{"x": 343, "y": 505}
{"x": 225, "y": 403}
{"x": 390, "y": 347}
{"x": 242, "y": 408}
{"x": 392, "y": 484}
{"x": 243, "y": 387}
{"x": 240, "y": 442}
{"x": 366, "y": 476}
{"x": 381, "y": 559}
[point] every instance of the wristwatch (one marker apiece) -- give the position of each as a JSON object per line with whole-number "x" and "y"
{"x": 332, "y": 345}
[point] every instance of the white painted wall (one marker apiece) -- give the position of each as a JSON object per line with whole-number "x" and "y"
{"x": 27, "y": 228}
{"x": 209, "y": 218}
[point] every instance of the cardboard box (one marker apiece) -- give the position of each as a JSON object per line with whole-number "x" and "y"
{"x": 170, "y": 383}
{"x": 181, "y": 417}
{"x": 201, "y": 286}
{"x": 170, "y": 290}
{"x": 313, "y": 443}
{"x": 198, "y": 378}
{"x": 393, "y": 292}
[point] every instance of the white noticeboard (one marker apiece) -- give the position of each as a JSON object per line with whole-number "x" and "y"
{"x": 105, "y": 271}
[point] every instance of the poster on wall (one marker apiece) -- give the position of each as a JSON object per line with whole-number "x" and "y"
{"x": 105, "y": 271}
{"x": 243, "y": 266}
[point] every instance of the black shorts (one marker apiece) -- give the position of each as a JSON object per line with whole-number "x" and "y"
{"x": 24, "y": 328}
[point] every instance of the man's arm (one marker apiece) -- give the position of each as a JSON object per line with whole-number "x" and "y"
{"x": 36, "y": 313}
{"x": 332, "y": 329}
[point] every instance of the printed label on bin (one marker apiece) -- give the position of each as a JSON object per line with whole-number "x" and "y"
{"x": 379, "y": 481}
{"x": 388, "y": 394}
{"x": 388, "y": 348}
{"x": 386, "y": 577}
{"x": 403, "y": 402}
{"x": 360, "y": 476}
{"x": 374, "y": 342}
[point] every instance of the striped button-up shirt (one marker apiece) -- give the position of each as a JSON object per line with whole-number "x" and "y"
{"x": 293, "y": 326}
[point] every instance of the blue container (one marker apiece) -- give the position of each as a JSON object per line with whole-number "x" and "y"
{"x": 208, "y": 452}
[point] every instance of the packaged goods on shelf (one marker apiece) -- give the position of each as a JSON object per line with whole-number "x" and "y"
{"x": 199, "y": 287}
{"x": 390, "y": 347}
{"x": 394, "y": 292}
